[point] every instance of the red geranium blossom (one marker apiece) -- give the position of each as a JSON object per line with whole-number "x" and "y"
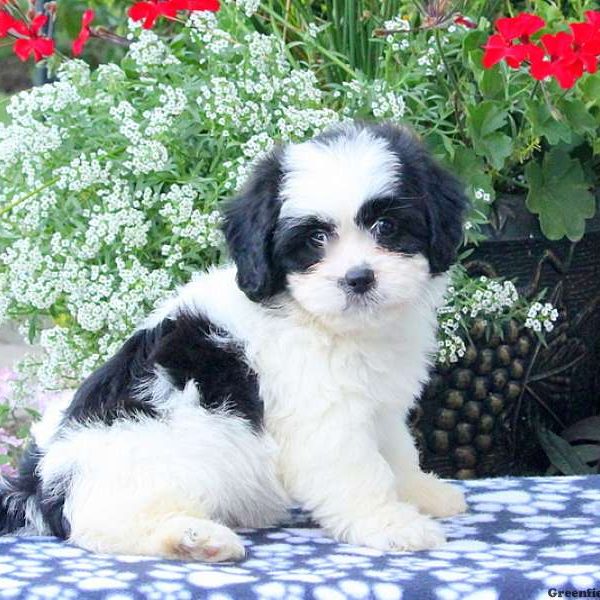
{"x": 149, "y": 12}
{"x": 31, "y": 43}
{"x": 84, "y": 33}
{"x": 502, "y": 46}
{"x": 569, "y": 56}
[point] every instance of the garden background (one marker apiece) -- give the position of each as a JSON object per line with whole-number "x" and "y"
{"x": 112, "y": 173}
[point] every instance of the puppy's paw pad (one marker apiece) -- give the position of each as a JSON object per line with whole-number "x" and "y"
{"x": 203, "y": 540}
{"x": 421, "y": 534}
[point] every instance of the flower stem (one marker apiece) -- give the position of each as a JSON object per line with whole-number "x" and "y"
{"x": 15, "y": 203}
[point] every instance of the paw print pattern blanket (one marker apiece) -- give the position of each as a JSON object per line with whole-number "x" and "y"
{"x": 522, "y": 538}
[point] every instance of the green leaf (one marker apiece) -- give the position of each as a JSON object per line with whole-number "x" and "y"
{"x": 560, "y": 195}
{"x": 586, "y": 429}
{"x": 471, "y": 169}
{"x": 474, "y": 40}
{"x": 492, "y": 84}
{"x": 590, "y": 88}
{"x": 485, "y": 122}
{"x": 544, "y": 124}
{"x": 562, "y": 455}
{"x": 578, "y": 116}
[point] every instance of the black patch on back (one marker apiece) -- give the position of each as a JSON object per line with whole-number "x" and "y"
{"x": 196, "y": 350}
{"x": 110, "y": 392}
{"x": 185, "y": 349}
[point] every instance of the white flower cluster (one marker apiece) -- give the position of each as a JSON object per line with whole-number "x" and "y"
{"x": 490, "y": 300}
{"x": 386, "y": 103}
{"x": 150, "y": 51}
{"x": 541, "y": 317}
{"x": 397, "y": 24}
{"x": 248, "y": 6}
{"x": 494, "y": 298}
{"x": 113, "y": 179}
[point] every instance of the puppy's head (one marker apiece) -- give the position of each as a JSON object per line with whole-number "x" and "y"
{"x": 356, "y": 220}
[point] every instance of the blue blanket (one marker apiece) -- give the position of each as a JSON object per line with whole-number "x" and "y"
{"x": 520, "y": 539}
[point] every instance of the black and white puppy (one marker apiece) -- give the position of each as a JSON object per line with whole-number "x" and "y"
{"x": 286, "y": 376}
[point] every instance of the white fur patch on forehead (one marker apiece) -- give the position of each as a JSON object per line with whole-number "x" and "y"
{"x": 333, "y": 177}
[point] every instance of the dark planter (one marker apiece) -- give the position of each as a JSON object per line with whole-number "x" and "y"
{"x": 479, "y": 417}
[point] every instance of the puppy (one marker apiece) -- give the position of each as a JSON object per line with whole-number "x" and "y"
{"x": 286, "y": 376}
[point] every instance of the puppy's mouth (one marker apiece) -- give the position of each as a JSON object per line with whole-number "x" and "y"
{"x": 367, "y": 300}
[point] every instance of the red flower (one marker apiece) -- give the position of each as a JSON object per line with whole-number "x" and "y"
{"x": 150, "y": 11}
{"x": 502, "y": 46}
{"x": 586, "y": 44}
{"x": 31, "y": 43}
{"x": 84, "y": 34}
{"x": 569, "y": 56}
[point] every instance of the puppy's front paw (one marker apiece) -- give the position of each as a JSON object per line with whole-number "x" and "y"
{"x": 189, "y": 538}
{"x": 399, "y": 530}
{"x": 432, "y": 496}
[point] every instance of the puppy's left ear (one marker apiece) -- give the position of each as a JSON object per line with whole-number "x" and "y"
{"x": 447, "y": 204}
{"x": 249, "y": 224}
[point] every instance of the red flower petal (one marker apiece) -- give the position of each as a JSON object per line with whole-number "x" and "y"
{"x": 21, "y": 28}
{"x": 495, "y": 50}
{"x": 558, "y": 45}
{"x": 22, "y": 49}
{"x": 587, "y": 38}
{"x": 525, "y": 24}
{"x": 38, "y": 22}
{"x": 540, "y": 69}
{"x": 84, "y": 33}
{"x": 593, "y": 18}
{"x": 144, "y": 11}
{"x": 44, "y": 47}
{"x": 87, "y": 18}
{"x": 212, "y": 5}
{"x": 6, "y": 23}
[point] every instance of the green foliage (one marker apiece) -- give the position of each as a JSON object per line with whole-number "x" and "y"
{"x": 559, "y": 194}
{"x": 493, "y": 125}
{"x": 576, "y": 451}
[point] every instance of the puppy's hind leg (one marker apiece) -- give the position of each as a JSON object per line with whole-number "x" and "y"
{"x": 165, "y": 487}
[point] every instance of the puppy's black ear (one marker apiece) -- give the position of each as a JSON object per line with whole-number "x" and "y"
{"x": 249, "y": 223}
{"x": 443, "y": 195}
{"x": 446, "y": 204}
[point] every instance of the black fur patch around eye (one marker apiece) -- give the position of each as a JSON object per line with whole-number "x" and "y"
{"x": 293, "y": 251}
{"x": 411, "y": 234}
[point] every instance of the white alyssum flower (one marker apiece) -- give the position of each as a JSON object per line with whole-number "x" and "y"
{"x": 386, "y": 103}
{"x": 541, "y": 317}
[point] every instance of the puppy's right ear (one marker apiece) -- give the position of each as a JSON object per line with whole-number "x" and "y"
{"x": 249, "y": 223}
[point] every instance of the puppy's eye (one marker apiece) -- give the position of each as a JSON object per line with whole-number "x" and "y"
{"x": 384, "y": 227}
{"x": 318, "y": 238}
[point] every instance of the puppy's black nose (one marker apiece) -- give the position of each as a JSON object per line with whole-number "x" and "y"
{"x": 360, "y": 279}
